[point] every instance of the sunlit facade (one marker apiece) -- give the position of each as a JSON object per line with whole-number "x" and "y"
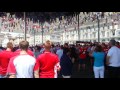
{"x": 90, "y": 33}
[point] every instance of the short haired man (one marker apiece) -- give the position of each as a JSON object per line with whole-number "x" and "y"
{"x": 22, "y": 66}
{"x": 17, "y": 52}
{"x": 113, "y": 60}
{"x": 47, "y": 63}
{"x": 5, "y": 56}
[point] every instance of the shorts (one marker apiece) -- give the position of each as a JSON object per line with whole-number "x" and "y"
{"x": 81, "y": 61}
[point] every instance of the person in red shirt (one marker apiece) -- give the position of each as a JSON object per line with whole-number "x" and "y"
{"x": 47, "y": 64}
{"x": 104, "y": 47}
{"x": 5, "y": 58}
{"x": 82, "y": 58}
{"x": 21, "y": 66}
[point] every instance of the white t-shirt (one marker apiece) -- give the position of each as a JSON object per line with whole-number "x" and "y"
{"x": 114, "y": 53}
{"x": 22, "y": 66}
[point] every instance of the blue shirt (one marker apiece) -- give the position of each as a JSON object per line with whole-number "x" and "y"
{"x": 42, "y": 50}
{"x": 36, "y": 54}
{"x": 98, "y": 59}
{"x": 59, "y": 53}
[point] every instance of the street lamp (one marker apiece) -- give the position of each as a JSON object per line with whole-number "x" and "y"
{"x": 98, "y": 21}
{"x": 25, "y": 26}
{"x": 78, "y": 29}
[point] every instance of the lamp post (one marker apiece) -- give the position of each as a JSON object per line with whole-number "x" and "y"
{"x": 78, "y": 29}
{"x": 25, "y": 26}
{"x": 98, "y": 21}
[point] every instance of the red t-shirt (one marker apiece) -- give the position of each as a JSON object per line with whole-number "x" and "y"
{"x": 17, "y": 52}
{"x": 105, "y": 49}
{"x": 82, "y": 56}
{"x": 46, "y": 64}
{"x": 118, "y": 46}
{"x": 81, "y": 50}
{"x": 22, "y": 66}
{"x": 85, "y": 48}
{"x": 4, "y": 61}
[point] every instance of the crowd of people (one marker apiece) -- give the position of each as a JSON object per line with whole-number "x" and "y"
{"x": 56, "y": 61}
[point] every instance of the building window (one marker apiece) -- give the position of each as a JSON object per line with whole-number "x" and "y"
{"x": 104, "y": 26}
{"x": 67, "y": 36}
{"x": 76, "y": 32}
{"x": 119, "y": 26}
{"x": 103, "y": 34}
{"x": 72, "y": 35}
{"x": 94, "y": 35}
{"x": 103, "y": 40}
{"x": 107, "y": 34}
{"x": 118, "y": 38}
{"x": 83, "y": 31}
{"x": 86, "y": 35}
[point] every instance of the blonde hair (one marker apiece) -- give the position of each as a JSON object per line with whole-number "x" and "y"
{"x": 48, "y": 44}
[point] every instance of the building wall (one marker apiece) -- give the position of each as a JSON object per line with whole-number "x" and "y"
{"x": 38, "y": 39}
{"x": 71, "y": 36}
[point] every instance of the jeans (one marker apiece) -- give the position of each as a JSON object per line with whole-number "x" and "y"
{"x": 113, "y": 72}
{"x": 1, "y": 76}
{"x": 99, "y": 72}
